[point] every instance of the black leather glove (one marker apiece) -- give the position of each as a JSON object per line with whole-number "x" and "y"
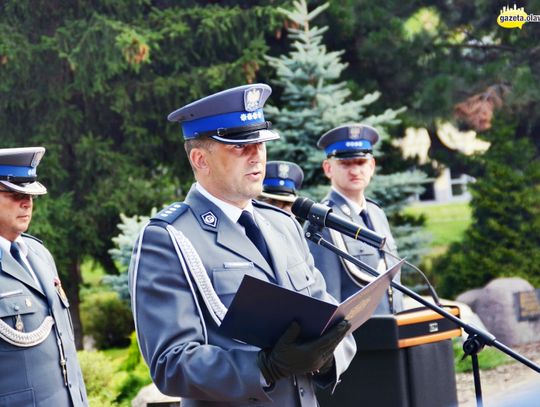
{"x": 289, "y": 356}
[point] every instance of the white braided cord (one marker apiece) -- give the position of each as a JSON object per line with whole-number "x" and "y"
{"x": 26, "y": 339}
{"x": 195, "y": 266}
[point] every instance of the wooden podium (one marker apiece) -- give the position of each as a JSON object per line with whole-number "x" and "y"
{"x": 403, "y": 360}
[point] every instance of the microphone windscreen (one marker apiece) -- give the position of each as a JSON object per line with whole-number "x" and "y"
{"x": 301, "y": 207}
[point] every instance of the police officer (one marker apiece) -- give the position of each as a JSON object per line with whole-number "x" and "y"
{"x": 350, "y": 166}
{"x": 280, "y": 185}
{"x": 189, "y": 261}
{"x": 39, "y": 364}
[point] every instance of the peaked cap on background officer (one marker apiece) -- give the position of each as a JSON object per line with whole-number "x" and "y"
{"x": 18, "y": 170}
{"x": 354, "y": 140}
{"x": 233, "y": 116}
{"x": 282, "y": 181}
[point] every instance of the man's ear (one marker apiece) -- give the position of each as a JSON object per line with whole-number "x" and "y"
{"x": 327, "y": 168}
{"x": 198, "y": 159}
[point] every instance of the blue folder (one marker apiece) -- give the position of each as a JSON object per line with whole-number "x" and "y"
{"x": 261, "y": 311}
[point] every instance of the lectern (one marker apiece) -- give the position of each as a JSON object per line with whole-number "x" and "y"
{"x": 403, "y": 360}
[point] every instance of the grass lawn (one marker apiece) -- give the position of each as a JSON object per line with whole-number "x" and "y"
{"x": 446, "y": 222}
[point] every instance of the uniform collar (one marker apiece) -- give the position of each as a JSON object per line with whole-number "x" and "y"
{"x": 5, "y": 245}
{"x": 356, "y": 208}
{"x": 231, "y": 211}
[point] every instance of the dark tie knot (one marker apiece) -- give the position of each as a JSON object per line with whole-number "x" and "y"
{"x": 15, "y": 251}
{"x": 247, "y": 221}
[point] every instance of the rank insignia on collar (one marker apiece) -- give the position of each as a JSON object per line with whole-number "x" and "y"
{"x": 209, "y": 219}
{"x": 252, "y": 99}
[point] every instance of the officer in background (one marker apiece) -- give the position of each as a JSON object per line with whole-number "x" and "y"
{"x": 189, "y": 261}
{"x": 38, "y": 359}
{"x": 349, "y": 166}
{"x": 280, "y": 185}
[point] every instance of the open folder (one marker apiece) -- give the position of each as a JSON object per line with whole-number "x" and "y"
{"x": 261, "y": 311}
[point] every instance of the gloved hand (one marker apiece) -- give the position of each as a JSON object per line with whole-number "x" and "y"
{"x": 289, "y": 356}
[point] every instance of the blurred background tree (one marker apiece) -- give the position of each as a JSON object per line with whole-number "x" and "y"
{"x": 93, "y": 83}
{"x": 313, "y": 100}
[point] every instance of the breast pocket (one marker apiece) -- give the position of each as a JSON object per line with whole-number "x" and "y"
{"x": 360, "y": 249}
{"x": 226, "y": 280}
{"x": 301, "y": 277}
{"x": 17, "y": 311}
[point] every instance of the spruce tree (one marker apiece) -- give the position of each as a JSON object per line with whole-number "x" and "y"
{"x": 504, "y": 236}
{"x": 314, "y": 100}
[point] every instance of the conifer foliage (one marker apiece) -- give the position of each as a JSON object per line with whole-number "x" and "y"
{"x": 315, "y": 100}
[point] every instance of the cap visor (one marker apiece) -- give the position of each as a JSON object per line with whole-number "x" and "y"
{"x": 284, "y": 198}
{"x": 259, "y": 136}
{"x": 30, "y": 188}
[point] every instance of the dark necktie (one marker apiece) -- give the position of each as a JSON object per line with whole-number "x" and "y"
{"x": 254, "y": 234}
{"x": 367, "y": 220}
{"x": 16, "y": 253}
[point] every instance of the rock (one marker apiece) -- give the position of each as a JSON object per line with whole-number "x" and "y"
{"x": 469, "y": 297}
{"x": 496, "y": 306}
{"x": 151, "y": 394}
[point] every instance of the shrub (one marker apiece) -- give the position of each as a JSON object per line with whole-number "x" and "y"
{"x": 137, "y": 376}
{"x": 107, "y": 319}
{"x": 98, "y": 373}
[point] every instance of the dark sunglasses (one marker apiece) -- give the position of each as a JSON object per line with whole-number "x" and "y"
{"x": 19, "y": 196}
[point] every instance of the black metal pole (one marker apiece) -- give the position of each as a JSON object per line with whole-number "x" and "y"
{"x": 485, "y": 338}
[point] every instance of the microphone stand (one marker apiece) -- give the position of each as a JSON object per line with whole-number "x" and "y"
{"x": 477, "y": 338}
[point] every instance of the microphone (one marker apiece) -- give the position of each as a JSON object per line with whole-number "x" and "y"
{"x": 321, "y": 215}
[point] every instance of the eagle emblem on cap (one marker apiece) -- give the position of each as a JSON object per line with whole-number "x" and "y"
{"x": 252, "y": 99}
{"x": 354, "y": 132}
{"x": 283, "y": 171}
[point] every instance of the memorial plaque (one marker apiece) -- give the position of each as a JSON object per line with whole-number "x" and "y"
{"x": 527, "y": 304}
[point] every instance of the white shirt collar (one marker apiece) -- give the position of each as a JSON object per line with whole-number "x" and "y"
{"x": 231, "y": 211}
{"x": 5, "y": 245}
{"x": 354, "y": 206}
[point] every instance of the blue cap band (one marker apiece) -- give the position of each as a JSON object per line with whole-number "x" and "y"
{"x": 17, "y": 171}
{"x": 191, "y": 129}
{"x": 348, "y": 145}
{"x": 279, "y": 182}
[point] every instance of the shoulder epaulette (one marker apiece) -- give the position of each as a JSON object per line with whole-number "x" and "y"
{"x": 171, "y": 212}
{"x": 374, "y": 202}
{"x": 32, "y": 237}
{"x": 264, "y": 205}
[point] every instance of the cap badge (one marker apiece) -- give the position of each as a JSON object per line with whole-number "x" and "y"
{"x": 354, "y": 132}
{"x": 252, "y": 99}
{"x": 209, "y": 219}
{"x": 283, "y": 170}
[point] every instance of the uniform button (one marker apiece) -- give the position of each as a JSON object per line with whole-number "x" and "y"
{"x": 59, "y": 333}
{"x": 301, "y": 391}
{"x": 253, "y": 399}
{"x": 16, "y": 307}
{"x": 70, "y": 385}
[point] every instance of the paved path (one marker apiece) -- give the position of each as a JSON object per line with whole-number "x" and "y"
{"x": 504, "y": 383}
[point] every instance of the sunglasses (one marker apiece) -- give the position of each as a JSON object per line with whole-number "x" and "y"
{"x": 19, "y": 196}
